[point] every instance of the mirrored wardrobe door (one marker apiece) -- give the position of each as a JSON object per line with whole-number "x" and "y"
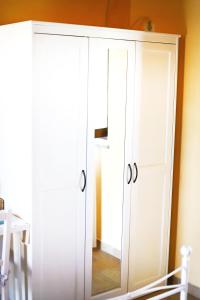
{"x": 108, "y": 69}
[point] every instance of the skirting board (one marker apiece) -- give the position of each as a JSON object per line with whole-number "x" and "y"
{"x": 109, "y": 249}
{"x": 192, "y": 289}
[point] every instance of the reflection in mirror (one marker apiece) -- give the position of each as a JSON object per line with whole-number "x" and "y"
{"x": 107, "y": 228}
{"x": 109, "y": 170}
{"x": 107, "y": 224}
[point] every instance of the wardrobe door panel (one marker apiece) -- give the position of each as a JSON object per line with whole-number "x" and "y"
{"x": 59, "y": 149}
{"x": 153, "y": 131}
{"x": 147, "y": 234}
{"x": 155, "y": 96}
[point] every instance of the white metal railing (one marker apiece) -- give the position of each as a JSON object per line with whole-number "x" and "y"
{"x": 11, "y": 226}
{"x": 5, "y": 218}
{"x": 181, "y": 288}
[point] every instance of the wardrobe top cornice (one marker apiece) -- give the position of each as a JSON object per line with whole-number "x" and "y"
{"x": 38, "y": 27}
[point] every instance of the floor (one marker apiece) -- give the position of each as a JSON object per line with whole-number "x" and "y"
{"x": 178, "y": 297}
{"x": 106, "y": 274}
{"x": 175, "y": 297}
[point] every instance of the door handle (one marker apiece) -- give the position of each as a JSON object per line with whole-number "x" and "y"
{"x": 131, "y": 174}
{"x": 136, "y": 172}
{"x": 84, "y": 182}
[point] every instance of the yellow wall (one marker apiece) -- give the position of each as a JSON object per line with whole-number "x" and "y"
{"x": 189, "y": 196}
{"x": 166, "y": 15}
{"x": 89, "y": 12}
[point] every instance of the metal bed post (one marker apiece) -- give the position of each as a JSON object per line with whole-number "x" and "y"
{"x": 185, "y": 252}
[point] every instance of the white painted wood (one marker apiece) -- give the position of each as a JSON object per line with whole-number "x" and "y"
{"x": 153, "y": 152}
{"x": 127, "y": 160}
{"x": 43, "y": 79}
{"x": 59, "y": 125}
{"x": 15, "y": 118}
{"x": 92, "y": 31}
{"x": 102, "y": 32}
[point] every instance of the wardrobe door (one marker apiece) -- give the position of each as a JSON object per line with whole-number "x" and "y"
{"x": 107, "y": 213}
{"x": 153, "y": 142}
{"x": 59, "y": 168}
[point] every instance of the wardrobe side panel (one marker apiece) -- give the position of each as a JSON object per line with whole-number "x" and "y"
{"x": 59, "y": 149}
{"x": 15, "y": 118}
{"x": 153, "y": 139}
{"x": 16, "y": 127}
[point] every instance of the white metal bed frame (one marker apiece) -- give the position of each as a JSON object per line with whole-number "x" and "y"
{"x": 15, "y": 226}
{"x": 181, "y": 288}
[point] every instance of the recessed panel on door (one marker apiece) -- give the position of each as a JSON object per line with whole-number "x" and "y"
{"x": 153, "y": 119}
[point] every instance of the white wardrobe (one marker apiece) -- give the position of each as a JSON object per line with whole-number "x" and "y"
{"x": 87, "y": 119}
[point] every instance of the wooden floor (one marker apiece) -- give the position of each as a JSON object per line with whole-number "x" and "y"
{"x": 175, "y": 297}
{"x": 178, "y": 297}
{"x": 105, "y": 272}
{"x": 106, "y": 275}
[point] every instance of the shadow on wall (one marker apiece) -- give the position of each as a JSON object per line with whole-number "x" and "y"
{"x": 111, "y": 13}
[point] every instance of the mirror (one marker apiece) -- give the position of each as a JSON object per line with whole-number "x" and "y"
{"x": 107, "y": 223}
{"x": 109, "y": 181}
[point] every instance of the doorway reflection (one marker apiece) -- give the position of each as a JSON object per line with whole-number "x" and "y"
{"x": 107, "y": 221}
